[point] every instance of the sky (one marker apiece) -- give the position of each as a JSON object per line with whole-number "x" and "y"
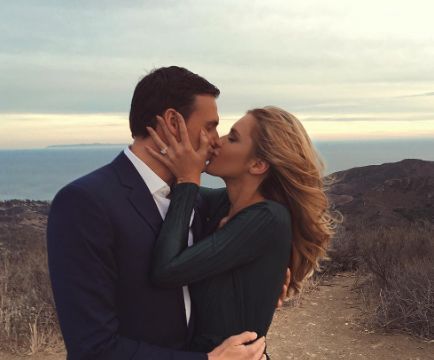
{"x": 348, "y": 69}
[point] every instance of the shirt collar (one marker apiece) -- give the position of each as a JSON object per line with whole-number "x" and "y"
{"x": 155, "y": 184}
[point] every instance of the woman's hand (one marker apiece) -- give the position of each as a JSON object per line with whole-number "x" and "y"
{"x": 182, "y": 160}
{"x": 223, "y": 222}
{"x": 283, "y": 295}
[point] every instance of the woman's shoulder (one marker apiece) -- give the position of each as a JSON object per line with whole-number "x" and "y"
{"x": 281, "y": 223}
{"x": 275, "y": 211}
{"x": 276, "y": 221}
{"x": 279, "y": 212}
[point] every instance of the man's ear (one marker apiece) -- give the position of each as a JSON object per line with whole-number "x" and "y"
{"x": 259, "y": 167}
{"x": 170, "y": 117}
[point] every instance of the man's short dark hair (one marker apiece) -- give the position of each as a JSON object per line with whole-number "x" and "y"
{"x": 166, "y": 87}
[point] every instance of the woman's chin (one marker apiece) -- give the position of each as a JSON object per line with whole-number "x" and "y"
{"x": 210, "y": 169}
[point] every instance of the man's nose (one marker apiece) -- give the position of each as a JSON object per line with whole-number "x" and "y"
{"x": 217, "y": 143}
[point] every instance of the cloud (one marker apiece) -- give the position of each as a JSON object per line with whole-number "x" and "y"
{"x": 419, "y": 95}
{"x": 340, "y": 57}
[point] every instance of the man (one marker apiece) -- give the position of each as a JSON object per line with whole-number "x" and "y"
{"x": 101, "y": 230}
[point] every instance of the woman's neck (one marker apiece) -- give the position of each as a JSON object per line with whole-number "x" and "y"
{"x": 242, "y": 193}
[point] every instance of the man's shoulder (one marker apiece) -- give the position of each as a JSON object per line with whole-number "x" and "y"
{"x": 94, "y": 178}
{"x": 98, "y": 181}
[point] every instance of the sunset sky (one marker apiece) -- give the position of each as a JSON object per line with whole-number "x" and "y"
{"x": 348, "y": 69}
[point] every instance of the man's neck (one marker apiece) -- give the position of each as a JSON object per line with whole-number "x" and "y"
{"x": 138, "y": 148}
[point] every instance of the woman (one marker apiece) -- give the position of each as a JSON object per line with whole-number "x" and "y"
{"x": 273, "y": 213}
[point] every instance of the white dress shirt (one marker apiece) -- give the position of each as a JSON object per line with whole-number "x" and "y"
{"x": 160, "y": 190}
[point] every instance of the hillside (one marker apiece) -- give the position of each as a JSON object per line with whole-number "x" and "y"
{"x": 388, "y": 194}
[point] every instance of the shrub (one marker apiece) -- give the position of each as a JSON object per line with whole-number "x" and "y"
{"x": 395, "y": 272}
{"x": 28, "y": 321}
{"x": 399, "y": 286}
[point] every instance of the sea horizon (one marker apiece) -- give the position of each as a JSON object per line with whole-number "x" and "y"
{"x": 38, "y": 173}
{"x": 314, "y": 141}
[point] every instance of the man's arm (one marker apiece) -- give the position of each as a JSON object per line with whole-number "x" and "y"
{"x": 83, "y": 274}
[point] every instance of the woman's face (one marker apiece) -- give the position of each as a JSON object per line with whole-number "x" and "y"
{"x": 236, "y": 152}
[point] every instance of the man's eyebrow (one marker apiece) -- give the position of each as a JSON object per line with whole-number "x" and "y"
{"x": 213, "y": 122}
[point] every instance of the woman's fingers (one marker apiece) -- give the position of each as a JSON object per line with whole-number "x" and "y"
{"x": 204, "y": 144}
{"x": 156, "y": 138}
{"x": 183, "y": 133}
{"x": 183, "y": 161}
{"x": 288, "y": 276}
{"x": 169, "y": 136}
{"x": 284, "y": 293}
{"x": 163, "y": 158}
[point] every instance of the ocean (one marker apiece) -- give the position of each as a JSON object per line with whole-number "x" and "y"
{"x": 38, "y": 174}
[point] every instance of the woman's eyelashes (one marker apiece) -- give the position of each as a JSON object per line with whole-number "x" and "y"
{"x": 232, "y": 137}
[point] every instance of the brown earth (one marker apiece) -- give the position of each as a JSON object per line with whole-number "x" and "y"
{"x": 324, "y": 326}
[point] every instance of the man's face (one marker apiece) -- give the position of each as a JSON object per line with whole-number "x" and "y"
{"x": 205, "y": 116}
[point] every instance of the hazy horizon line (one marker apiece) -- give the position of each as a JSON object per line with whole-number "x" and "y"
{"x": 341, "y": 140}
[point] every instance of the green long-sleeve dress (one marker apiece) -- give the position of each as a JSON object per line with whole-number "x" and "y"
{"x": 235, "y": 274}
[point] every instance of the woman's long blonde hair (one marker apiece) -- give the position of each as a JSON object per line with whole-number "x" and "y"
{"x": 295, "y": 179}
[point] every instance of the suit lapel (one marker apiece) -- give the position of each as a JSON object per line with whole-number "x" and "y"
{"x": 145, "y": 205}
{"x": 139, "y": 195}
{"x": 143, "y": 202}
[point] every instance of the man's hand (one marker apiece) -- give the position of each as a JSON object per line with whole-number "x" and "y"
{"x": 284, "y": 289}
{"x": 233, "y": 348}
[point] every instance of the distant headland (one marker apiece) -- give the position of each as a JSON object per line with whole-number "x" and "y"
{"x": 84, "y": 145}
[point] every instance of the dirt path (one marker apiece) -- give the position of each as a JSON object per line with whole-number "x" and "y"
{"x": 324, "y": 326}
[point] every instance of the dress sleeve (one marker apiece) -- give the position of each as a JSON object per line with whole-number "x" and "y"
{"x": 213, "y": 197}
{"x": 238, "y": 242}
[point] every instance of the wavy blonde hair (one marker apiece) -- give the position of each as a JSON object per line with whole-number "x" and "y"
{"x": 295, "y": 179}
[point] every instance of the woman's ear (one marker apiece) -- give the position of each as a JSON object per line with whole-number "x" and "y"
{"x": 259, "y": 167}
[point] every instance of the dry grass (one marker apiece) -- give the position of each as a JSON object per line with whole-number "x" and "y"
{"x": 396, "y": 274}
{"x": 28, "y": 322}
{"x": 395, "y": 267}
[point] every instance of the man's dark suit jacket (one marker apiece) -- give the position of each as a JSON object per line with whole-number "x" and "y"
{"x": 101, "y": 230}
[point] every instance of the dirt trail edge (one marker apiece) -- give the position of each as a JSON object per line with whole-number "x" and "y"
{"x": 325, "y": 326}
